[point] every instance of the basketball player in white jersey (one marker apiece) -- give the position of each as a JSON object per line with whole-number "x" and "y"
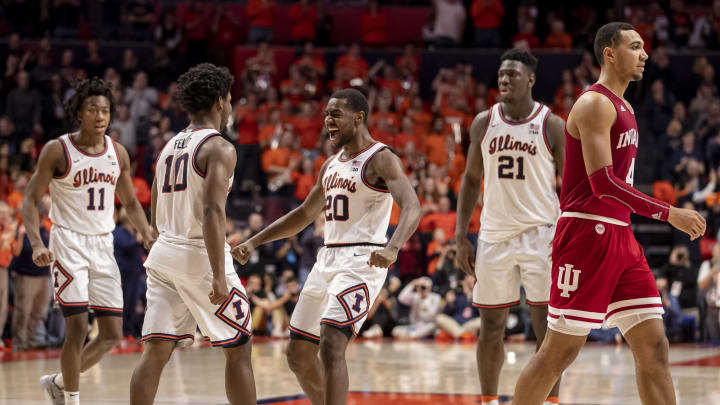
{"x": 193, "y": 176}
{"x": 517, "y": 147}
{"x": 84, "y": 170}
{"x": 355, "y": 191}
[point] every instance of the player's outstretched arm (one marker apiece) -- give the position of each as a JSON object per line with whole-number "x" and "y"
{"x": 469, "y": 194}
{"x": 287, "y": 225}
{"x": 218, "y": 157}
{"x": 125, "y": 191}
{"x": 387, "y": 166}
{"x": 51, "y": 161}
{"x": 592, "y": 118}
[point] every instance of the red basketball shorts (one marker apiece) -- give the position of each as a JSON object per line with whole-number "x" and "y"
{"x": 599, "y": 274}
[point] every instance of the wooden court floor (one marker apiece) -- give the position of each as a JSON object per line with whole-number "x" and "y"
{"x": 381, "y": 372}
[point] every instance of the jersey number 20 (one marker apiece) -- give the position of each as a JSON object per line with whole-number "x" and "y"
{"x": 336, "y": 209}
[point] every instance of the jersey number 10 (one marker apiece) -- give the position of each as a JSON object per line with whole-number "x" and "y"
{"x": 181, "y": 164}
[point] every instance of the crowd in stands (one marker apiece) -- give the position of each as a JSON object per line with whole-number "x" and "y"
{"x": 277, "y": 127}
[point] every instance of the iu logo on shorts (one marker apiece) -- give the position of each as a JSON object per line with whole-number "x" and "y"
{"x": 568, "y": 279}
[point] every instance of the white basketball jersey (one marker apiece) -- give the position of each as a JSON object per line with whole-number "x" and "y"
{"x": 355, "y": 211}
{"x": 83, "y": 198}
{"x": 519, "y": 175}
{"x": 179, "y": 206}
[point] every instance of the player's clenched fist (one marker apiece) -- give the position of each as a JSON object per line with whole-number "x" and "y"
{"x": 42, "y": 257}
{"x": 688, "y": 221}
{"x": 241, "y": 252}
{"x": 219, "y": 292}
{"x": 383, "y": 257}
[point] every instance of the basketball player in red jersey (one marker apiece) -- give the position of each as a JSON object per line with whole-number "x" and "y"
{"x": 599, "y": 269}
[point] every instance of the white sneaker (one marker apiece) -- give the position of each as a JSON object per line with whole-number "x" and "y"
{"x": 52, "y": 392}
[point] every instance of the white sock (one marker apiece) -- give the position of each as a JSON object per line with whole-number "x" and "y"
{"x": 493, "y": 402}
{"x": 58, "y": 380}
{"x": 72, "y": 398}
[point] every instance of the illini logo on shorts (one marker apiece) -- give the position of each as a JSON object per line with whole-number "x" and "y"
{"x": 568, "y": 280}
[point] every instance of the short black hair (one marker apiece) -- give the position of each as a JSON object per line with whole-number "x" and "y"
{"x": 84, "y": 89}
{"x": 355, "y": 99}
{"x": 522, "y": 56}
{"x": 200, "y": 87}
{"x": 607, "y": 36}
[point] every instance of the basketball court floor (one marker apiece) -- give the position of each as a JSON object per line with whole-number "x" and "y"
{"x": 381, "y": 372}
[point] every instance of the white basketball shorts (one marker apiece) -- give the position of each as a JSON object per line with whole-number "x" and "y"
{"x": 178, "y": 302}
{"x": 339, "y": 291}
{"x": 502, "y": 267}
{"x": 85, "y": 274}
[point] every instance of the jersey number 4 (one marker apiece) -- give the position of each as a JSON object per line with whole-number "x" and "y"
{"x": 505, "y": 168}
{"x": 336, "y": 209}
{"x": 180, "y": 173}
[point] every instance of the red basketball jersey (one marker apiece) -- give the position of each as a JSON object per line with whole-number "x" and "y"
{"x": 576, "y": 194}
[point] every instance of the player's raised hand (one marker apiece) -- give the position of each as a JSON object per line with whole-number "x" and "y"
{"x": 241, "y": 252}
{"x": 688, "y": 221}
{"x": 42, "y": 257}
{"x": 383, "y": 257}
{"x": 465, "y": 256}
{"x": 219, "y": 292}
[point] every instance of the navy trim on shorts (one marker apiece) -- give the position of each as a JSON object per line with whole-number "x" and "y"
{"x": 339, "y": 245}
{"x": 106, "y": 311}
{"x": 298, "y": 334}
{"x": 69, "y": 311}
{"x": 347, "y": 330}
{"x": 166, "y": 336}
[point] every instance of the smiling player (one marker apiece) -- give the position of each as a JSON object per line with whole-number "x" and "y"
{"x": 355, "y": 190}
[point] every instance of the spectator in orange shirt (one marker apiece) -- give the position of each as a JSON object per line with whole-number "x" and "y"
{"x": 248, "y": 150}
{"x": 262, "y": 17}
{"x": 406, "y": 135}
{"x": 383, "y": 113}
{"x": 303, "y": 18}
{"x": 409, "y": 62}
{"x": 308, "y": 125}
{"x": 384, "y": 132}
{"x": 422, "y": 120}
{"x": 271, "y": 103}
{"x": 353, "y": 63}
{"x": 312, "y": 58}
{"x": 558, "y": 38}
{"x": 436, "y": 248}
{"x": 436, "y": 143}
{"x": 374, "y": 25}
{"x": 304, "y": 179}
{"x": 443, "y": 219}
{"x": 279, "y": 164}
{"x": 526, "y": 38}
{"x": 272, "y": 130}
{"x": 390, "y": 81}
{"x": 298, "y": 87}
{"x": 487, "y": 16}
{"x": 15, "y": 198}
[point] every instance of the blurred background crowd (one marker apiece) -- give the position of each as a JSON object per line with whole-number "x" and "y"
{"x": 427, "y": 67}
